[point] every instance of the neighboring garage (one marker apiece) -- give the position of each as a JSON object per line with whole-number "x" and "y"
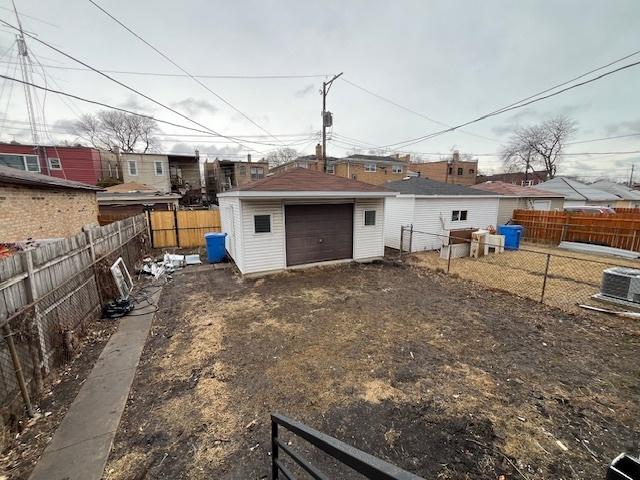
{"x": 434, "y": 209}
{"x": 302, "y": 217}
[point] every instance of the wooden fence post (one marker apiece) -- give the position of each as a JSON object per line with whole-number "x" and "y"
{"x": 175, "y": 226}
{"x": 17, "y": 368}
{"x": 32, "y": 295}
{"x": 149, "y": 229}
{"x": 411, "y": 238}
{"x": 544, "y": 281}
{"x": 119, "y": 223}
{"x": 92, "y": 249}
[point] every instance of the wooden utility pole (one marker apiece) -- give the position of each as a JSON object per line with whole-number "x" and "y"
{"x": 631, "y": 176}
{"x": 327, "y": 121}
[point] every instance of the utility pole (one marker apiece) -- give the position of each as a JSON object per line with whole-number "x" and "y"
{"x": 25, "y": 65}
{"x": 327, "y": 119}
{"x": 631, "y": 175}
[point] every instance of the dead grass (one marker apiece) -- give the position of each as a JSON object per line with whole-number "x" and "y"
{"x": 572, "y": 278}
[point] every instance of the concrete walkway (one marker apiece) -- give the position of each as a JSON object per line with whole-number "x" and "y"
{"x": 80, "y": 447}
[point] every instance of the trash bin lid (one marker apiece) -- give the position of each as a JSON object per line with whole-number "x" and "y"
{"x": 214, "y": 234}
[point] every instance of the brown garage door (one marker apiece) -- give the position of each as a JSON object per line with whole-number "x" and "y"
{"x": 317, "y": 233}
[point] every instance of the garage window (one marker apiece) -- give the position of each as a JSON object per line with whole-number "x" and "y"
{"x": 369, "y": 167}
{"x": 369, "y": 217}
{"x": 459, "y": 215}
{"x": 262, "y": 223}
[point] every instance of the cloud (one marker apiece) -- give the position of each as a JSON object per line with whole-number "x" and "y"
{"x": 66, "y": 125}
{"x": 195, "y": 106}
{"x": 207, "y": 149}
{"x": 531, "y": 116}
{"x": 136, "y": 104}
{"x": 303, "y": 92}
{"x": 627, "y": 126}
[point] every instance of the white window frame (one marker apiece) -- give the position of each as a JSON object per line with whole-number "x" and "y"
{"x": 24, "y": 161}
{"x": 155, "y": 168}
{"x": 396, "y": 169}
{"x": 51, "y": 167}
{"x": 370, "y": 167}
{"x": 259, "y": 175}
{"x": 458, "y": 217}
{"x": 331, "y": 169}
{"x": 135, "y": 163}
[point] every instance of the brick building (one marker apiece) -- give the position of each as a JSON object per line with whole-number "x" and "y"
{"x": 517, "y": 178}
{"x": 80, "y": 164}
{"x": 222, "y": 175}
{"x": 40, "y": 207}
{"x": 454, "y": 171}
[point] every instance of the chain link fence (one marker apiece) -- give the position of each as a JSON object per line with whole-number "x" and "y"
{"x": 540, "y": 273}
{"x": 47, "y": 295}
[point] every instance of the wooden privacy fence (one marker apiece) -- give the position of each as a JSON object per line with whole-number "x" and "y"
{"x": 182, "y": 228}
{"x": 47, "y": 293}
{"x": 619, "y": 230}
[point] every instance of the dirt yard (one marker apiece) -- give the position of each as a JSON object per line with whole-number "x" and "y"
{"x": 572, "y": 277}
{"x": 437, "y": 375}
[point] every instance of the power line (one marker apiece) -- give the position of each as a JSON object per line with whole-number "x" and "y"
{"x": 166, "y": 57}
{"x": 410, "y": 110}
{"x": 413, "y": 141}
{"x": 604, "y": 138}
{"x": 31, "y": 17}
{"x": 182, "y": 75}
{"x": 128, "y": 88}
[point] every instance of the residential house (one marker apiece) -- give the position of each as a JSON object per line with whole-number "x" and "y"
{"x": 629, "y": 198}
{"x": 373, "y": 169}
{"x": 128, "y": 199}
{"x": 516, "y": 178}
{"x": 80, "y": 164}
{"x": 454, "y": 171}
{"x": 222, "y": 175}
{"x": 185, "y": 176}
{"x": 515, "y": 197}
{"x": 42, "y": 207}
{"x": 302, "y": 217}
{"x": 434, "y": 209}
{"x": 578, "y": 194}
{"x": 150, "y": 169}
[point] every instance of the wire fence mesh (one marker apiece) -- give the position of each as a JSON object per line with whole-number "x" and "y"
{"x": 46, "y": 299}
{"x": 540, "y": 273}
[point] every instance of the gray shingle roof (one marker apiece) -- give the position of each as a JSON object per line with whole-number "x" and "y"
{"x": 573, "y": 190}
{"x": 622, "y": 191}
{"x": 424, "y": 186}
{"x": 14, "y": 176}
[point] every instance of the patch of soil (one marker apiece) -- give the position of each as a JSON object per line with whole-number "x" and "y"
{"x": 61, "y": 387}
{"x": 438, "y": 375}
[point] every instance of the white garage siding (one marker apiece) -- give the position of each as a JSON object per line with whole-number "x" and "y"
{"x": 230, "y": 224}
{"x": 266, "y": 252}
{"x": 398, "y": 212}
{"x": 433, "y": 216}
{"x": 368, "y": 240}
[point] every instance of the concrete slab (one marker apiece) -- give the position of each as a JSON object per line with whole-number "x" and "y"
{"x": 80, "y": 447}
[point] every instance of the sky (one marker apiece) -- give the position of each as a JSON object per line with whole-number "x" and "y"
{"x": 447, "y": 61}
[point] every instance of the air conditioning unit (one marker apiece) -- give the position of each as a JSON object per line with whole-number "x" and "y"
{"x": 621, "y": 283}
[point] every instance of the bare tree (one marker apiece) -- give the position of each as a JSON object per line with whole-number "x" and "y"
{"x": 281, "y": 156}
{"x": 538, "y": 146}
{"x": 111, "y": 130}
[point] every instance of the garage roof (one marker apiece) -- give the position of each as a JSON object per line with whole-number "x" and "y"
{"x": 511, "y": 190}
{"x": 14, "y": 176}
{"x": 309, "y": 182}
{"x": 424, "y": 187}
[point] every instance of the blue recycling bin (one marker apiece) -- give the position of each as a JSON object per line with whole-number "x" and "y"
{"x": 512, "y": 234}
{"x": 215, "y": 246}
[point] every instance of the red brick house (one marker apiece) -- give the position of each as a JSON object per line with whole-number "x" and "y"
{"x": 80, "y": 164}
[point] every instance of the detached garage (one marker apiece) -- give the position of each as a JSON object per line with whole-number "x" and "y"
{"x": 435, "y": 208}
{"x": 301, "y": 217}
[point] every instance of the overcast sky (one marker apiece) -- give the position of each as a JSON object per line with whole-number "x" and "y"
{"x": 450, "y": 61}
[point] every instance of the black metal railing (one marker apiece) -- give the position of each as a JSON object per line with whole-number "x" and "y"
{"x": 368, "y": 465}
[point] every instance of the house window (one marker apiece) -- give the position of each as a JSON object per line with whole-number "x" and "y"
{"x": 303, "y": 165}
{"x": 460, "y": 171}
{"x": 257, "y": 173}
{"x": 331, "y": 169}
{"x": 243, "y": 171}
{"x": 262, "y": 223}
{"x": 369, "y": 167}
{"x": 471, "y": 171}
{"x": 133, "y": 168}
{"x": 54, "y": 163}
{"x": 450, "y": 170}
{"x": 159, "y": 168}
{"x": 29, "y": 163}
{"x": 369, "y": 217}
{"x": 396, "y": 169}
{"x": 458, "y": 215}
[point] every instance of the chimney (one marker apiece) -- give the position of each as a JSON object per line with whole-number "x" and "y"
{"x": 456, "y": 156}
{"x": 197, "y": 154}
{"x": 319, "y": 152}
{"x": 249, "y": 157}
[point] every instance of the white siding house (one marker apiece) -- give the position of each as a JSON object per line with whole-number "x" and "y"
{"x": 435, "y": 208}
{"x": 301, "y": 217}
